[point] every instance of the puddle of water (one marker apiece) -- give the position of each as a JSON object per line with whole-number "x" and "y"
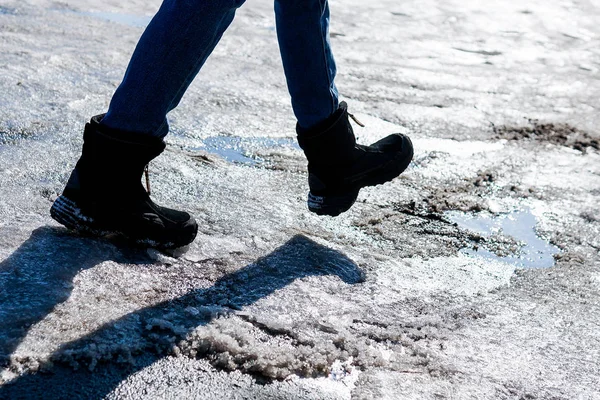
{"x": 243, "y": 150}
{"x": 126, "y": 19}
{"x": 536, "y": 253}
{"x": 7, "y": 11}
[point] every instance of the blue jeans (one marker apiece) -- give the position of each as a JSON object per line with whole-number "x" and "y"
{"x": 182, "y": 35}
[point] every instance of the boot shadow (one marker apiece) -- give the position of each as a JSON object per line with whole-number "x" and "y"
{"x": 39, "y": 274}
{"x": 131, "y": 338}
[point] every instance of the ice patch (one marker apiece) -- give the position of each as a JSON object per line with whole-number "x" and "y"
{"x": 376, "y": 129}
{"x": 462, "y": 275}
{"x": 536, "y": 252}
{"x": 208, "y": 247}
{"x": 244, "y": 150}
{"x": 125, "y": 19}
{"x": 457, "y": 148}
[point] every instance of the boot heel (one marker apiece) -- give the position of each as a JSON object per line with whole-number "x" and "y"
{"x": 331, "y": 205}
{"x": 67, "y": 213}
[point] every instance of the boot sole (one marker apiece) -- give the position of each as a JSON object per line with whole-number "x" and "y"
{"x": 66, "y": 212}
{"x": 334, "y": 205}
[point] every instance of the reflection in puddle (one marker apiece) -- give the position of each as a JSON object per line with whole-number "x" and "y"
{"x": 536, "y": 253}
{"x": 126, "y": 19}
{"x": 243, "y": 150}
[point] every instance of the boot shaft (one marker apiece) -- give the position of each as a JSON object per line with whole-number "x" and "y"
{"x": 331, "y": 142}
{"x": 112, "y": 162}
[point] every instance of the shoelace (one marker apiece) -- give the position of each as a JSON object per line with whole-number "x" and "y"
{"x": 356, "y": 120}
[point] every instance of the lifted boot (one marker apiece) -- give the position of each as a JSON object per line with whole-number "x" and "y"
{"x": 338, "y": 167}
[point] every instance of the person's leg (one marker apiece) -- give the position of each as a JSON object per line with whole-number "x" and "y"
{"x": 168, "y": 56}
{"x": 338, "y": 167}
{"x": 303, "y": 34}
{"x": 104, "y": 193}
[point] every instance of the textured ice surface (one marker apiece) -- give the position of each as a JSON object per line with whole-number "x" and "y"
{"x": 378, "y": 303}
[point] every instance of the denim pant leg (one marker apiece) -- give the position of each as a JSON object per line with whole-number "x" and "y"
{"x": 303, "y": 34}
{"x": 167, "y": 57}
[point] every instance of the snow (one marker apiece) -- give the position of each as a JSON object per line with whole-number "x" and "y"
{"x": 271, "y": 301}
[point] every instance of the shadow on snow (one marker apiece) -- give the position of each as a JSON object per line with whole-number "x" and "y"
{"x": 39, "y": 277}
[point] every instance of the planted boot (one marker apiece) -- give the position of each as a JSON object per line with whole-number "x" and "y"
{"x": 338, "y": 167}
{"x": 104, "y": 194}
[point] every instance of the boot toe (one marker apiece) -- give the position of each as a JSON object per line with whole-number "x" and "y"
{"x": 170, "y": 228}
{"x": 393, "y": 143}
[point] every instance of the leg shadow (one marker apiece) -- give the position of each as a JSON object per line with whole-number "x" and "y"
{"x": 39, "y": 275}
{"x": 144, "y": 336}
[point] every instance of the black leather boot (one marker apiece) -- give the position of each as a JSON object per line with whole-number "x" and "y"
{"x": 105, "y": 195}
{"x": 338, "y": 167}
